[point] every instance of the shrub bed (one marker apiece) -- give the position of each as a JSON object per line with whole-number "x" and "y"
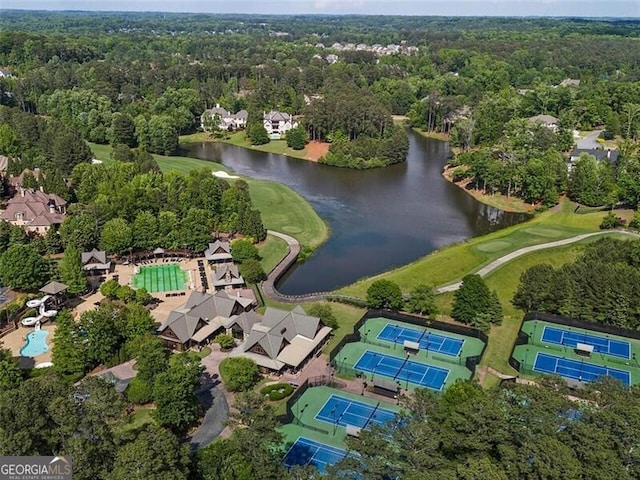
{"x": 277, "y": 391}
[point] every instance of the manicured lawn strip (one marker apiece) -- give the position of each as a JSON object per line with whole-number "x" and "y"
{"x": 282, "y": 209}
{"x": 272, "y": 250}
{"x": 491, "y": 381}
{"x": 239, "y": 139}
{"x": 347, "y": 316}
{"x": 452, "y": 263}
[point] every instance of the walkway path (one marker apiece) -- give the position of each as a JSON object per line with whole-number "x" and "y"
{"x": 533, "y": 248}
{"x": 269, "y": 285}
{"x": 269, "y": 289}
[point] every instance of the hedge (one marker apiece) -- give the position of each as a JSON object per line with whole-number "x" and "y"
{"x": 277, "y": 391}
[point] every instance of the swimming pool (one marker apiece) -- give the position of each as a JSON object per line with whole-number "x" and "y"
{"x": 36, "y": 344}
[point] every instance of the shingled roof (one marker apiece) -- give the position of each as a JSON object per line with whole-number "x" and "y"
{"x": 200, "y": 310}
{"x": 287, "y": 338}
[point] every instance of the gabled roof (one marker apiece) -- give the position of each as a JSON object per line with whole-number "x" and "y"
{"x": 201, "y": 310}
{"x": 277, "y": 116}
{"x": 218, "y": 251}
{"x": 287, "y": 338}
{"x": 94, "y": 256}
{"x": 280, "y": 326}
{"x": 246, "y": 321}
{"x": 95, "y": 260}
{"x": 242, "y": 115}
{"x": 610, "y": 155}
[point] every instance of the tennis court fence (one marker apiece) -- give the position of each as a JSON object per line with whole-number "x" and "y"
{"x": 573, "y": 322}
{"x": 321, "y": 380}
{"x": 412, "y": 320}
{"x": 524, "y": 339}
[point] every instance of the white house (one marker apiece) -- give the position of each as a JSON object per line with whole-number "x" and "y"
{"x": 278, "y": 123}
{"x": 226, "y": 120}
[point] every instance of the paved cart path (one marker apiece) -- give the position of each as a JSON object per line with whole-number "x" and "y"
{"x": 269, "y": 288}
{"x": 533, "y": 248}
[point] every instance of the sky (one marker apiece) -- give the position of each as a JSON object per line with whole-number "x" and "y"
{"x": 577, "y": 8}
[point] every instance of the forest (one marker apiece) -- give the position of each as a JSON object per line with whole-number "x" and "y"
{"x": 602, "y": 285}
{"x": 144, "y": 79}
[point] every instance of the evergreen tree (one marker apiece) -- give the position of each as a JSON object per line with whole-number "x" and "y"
{"x": 475, "y": 304}
{"x": 122, "y": 130}
{"x": 69, "y": 352}
{"x": 71, "y": 272}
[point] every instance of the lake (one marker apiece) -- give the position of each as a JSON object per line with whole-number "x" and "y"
{"x": 379, "y": 219}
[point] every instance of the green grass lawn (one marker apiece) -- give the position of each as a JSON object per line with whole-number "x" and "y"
{"x": 452, "y": 263}
{"x": 138, "y": 418}
{"x": 272, "y": 250}
{"x": 282, "y": 209}
{"x": 239, "y": 139}
{"x": 505, "y": 282}
{"x": 286, "y": 211}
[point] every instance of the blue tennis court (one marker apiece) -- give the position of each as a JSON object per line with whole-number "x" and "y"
{"x": 425, "y": 338}
{"x": 310, "y": 452}
{"x": 568, "y": 338}
{"x": 343, "y": 411}
{"x": 403, "y": 369}
{"x": 578, "y": 370}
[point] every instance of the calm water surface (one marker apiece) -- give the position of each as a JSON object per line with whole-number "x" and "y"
{"x": 378, "y": 218}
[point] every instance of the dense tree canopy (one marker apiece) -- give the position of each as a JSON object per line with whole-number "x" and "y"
{"x": 602, "y": 285}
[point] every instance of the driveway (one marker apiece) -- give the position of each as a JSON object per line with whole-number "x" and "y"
{"x": 214, "y": 422}
{"x": 589, "y": 142}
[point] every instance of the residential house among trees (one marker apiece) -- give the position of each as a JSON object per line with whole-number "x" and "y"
{"x": 548, "y": 121}
{"x": 610, "y": 156}
{"x": 218, "y": 252}
{"x": 96, "y": 262}
{"x": 16, "y": 182}
{"x": 227, "y": 275}
{"x": 278, "y": 123}
{"x": 202, "y": 317}
{"x": 284, "y": 339}
{"x": 35, "y": 211}
{"x": 223, "y": 119}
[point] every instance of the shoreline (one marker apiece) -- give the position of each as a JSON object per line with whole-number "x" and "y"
{"x": 499, "y": 201}
{"x": 311, "y": 152}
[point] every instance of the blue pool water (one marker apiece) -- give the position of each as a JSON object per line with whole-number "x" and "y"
{"x": 36, "y": 344}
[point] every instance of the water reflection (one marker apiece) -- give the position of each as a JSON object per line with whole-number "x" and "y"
{"x": 378, "y": 218}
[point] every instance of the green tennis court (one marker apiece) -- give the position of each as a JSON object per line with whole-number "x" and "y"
{"x": 160, "y": 278}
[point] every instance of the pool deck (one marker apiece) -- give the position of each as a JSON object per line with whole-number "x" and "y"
{"x": 15, "y": 340}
